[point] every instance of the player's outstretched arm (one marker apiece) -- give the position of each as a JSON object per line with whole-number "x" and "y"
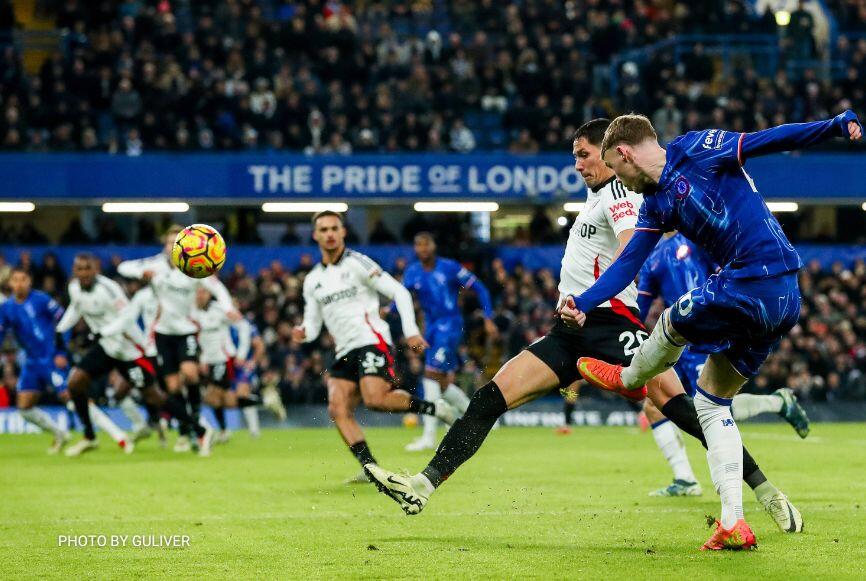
{"x": 387, "y": 285}
{"x": 622, "y": 272}
{"x": 69, "y": 319}
{"x": 468, "y": 280}
{"x": 793, "y": 136}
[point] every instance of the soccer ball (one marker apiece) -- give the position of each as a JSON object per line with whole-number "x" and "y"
{"x": 199, "y": 251}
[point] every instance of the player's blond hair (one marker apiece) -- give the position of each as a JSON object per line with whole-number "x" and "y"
{"x": 630, "y": 129}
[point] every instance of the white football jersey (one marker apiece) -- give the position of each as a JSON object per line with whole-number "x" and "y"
{"x": 215, "y": 337}
{"x": 592, "y": 240}
{"x": 145, "y": 305}
{"x": 345, "y": 295}
{"x": 175, "y": 293}
{"x": 99, "y": 306}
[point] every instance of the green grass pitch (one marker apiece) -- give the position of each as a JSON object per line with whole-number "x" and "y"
{"x": 529, "y": 505}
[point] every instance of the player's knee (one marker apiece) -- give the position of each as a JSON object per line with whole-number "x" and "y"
{"x": 375, "y": 400}
{"x": 338, "y": 410}
{"x": 78, "y": 382}
{"x": 669, "y": 328}
{"x": 154, "y": 397}
{"x": 487, "y": 403}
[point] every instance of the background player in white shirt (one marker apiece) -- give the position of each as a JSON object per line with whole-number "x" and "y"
{"x": 97, "y": 300}
{"x": 219, "y": 354}
{"x": 174, "y": 329}
{"x": 343, "y": 292}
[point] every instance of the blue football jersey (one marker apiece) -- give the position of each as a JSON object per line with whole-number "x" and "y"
{"x": 675, "y": 267}
{"x": 33, "y": 322}
{"x": 437, "y": 289}
{"x": 706, "y": 194}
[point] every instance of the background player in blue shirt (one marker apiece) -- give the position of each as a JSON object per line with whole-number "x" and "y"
{"x": 674, "y": 268}
{"x": 436, "y": 283}
{"x": 32, "y": 316}
{"x": 699, "y": 187}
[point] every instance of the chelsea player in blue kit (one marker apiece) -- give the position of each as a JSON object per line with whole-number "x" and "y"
{"x": 32, "y": 316}
{"x": 436, "y": 283}
{"x": 698, "y": 186}
{"x": 673, "y": 269}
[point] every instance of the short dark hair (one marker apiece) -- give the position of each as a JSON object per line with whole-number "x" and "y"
{"x": 88, "y": 256}
{"x": 592, "y": 131}
{"x": 425, "y": 234}
{"x": 325, "y": 213}
{"x": 22, "y": 270}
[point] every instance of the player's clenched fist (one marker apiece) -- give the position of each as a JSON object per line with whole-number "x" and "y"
{"x": 571, "y": 315}
{"x": 855, "y": 131}
{"x": 417, "y": 343}
{"x": 299, "y": 333}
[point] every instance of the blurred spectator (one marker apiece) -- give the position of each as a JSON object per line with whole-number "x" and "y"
{"x": 801, "y": 31}
{"x": 327, "y": 78}
{"x": 462, "y": 139}
{"x": 381, "y": 235}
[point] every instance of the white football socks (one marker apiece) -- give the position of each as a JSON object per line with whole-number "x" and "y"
{"x": 724, "y": 454}
{"x": 747, "y": 405}
{"x": 251, "y": 417}
{"x": 456, "y": 397}
{"x": 670, "y": 442}
{"x": 131, "y": 410}
{"x": 432, "y": 392}
{"x": 104, "y": 423}
{"x": 39, "y": 418}
{"x": 655, "y": 355}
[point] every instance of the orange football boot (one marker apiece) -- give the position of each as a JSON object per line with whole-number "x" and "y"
{"x": 739, "y": 538}
{"x": 608, "y": 376}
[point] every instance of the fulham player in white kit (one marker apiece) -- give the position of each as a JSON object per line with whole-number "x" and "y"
{"x": 219, "y": 354}
{"x": 599, "y": 233}
{"x": 343, "y": 292}
{"x": 174, "y": 329}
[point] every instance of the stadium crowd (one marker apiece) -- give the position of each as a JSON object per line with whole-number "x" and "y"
{"x": 824, "y": 358}
{"x": 325, "y": 76}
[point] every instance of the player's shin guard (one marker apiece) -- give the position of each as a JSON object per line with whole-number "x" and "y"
{"x": 671, "y": 444}
{"x": 39, "y": 418}
{"x": 130, "y": 410}
{"x": 655, "y": 355}
{"x": 176, "y": 406}
{"x": 724, "y": 453}
{"x": 220, "y": 415}
{"x": 456, "y": 397}
{"x": 432, "y": 392}
{"x": 249, "y": 409}
{"x": 105, "y": 423}
{"x": 362, "y": 453}
{"x": 82, "y": 405}
{"x": 681, "y": 411}
{"x": 467, "y": 434}
{"x": 747, "y": 405}
{"x": 193, "y": 396}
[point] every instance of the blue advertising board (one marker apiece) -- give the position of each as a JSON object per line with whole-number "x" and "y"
{"x": 492, "y": 176}
{"x": 255, "y": 177}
